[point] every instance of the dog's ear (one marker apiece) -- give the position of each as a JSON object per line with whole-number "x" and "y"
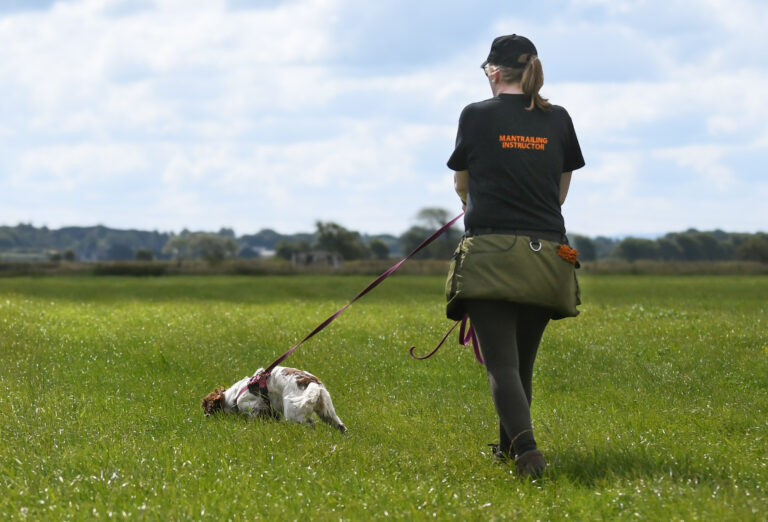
{"x": 214, "y": 401}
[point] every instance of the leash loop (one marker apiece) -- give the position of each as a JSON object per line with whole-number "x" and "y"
{"x": 466, "y": 335}
{"x": 430, "y": 354}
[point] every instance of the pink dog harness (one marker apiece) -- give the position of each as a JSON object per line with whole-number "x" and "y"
{"x": 258, "y": 386}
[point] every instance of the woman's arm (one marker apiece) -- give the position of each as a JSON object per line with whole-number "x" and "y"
{"x": 461, "y": 184}
{"x": 565, "y": 183}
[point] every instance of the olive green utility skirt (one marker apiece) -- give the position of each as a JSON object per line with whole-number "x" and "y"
{"x": 513, "y": 268}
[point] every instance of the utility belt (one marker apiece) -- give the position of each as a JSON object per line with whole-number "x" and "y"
{"x": 549, "y": 235}
{"x": 528, "y": 267}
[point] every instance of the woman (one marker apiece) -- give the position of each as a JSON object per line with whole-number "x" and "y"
{"x": 513, "y": 160}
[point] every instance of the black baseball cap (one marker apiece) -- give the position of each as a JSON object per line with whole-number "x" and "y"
{"x": 506, "y": 51}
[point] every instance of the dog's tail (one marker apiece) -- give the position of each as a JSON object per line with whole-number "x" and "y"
{"x": 319, "y": 396}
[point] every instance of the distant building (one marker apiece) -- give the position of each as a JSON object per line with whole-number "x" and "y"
{"x": 255, "y": 252}
{"x": 317, "y": 258}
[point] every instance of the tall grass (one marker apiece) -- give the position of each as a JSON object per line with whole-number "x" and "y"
{"x": 651, "y": 404}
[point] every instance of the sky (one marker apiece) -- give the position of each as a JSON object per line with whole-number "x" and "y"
{"x": 251, "y": 114}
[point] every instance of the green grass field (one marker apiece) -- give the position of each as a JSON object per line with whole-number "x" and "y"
{"x": 652, "y": 404}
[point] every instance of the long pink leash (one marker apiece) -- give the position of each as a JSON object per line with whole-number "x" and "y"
{"x": 261, "y": 377}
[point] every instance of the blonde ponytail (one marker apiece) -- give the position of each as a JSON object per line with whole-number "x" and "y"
{"x": 530, "y": 77}
{"x": 533, "y": 79}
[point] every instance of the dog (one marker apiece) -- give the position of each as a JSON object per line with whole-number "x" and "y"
{"x": 294, "y": 394}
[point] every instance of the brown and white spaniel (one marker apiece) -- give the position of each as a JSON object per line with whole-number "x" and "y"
{"x": 294, "y": 394}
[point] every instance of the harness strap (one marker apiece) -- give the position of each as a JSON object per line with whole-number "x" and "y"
{"x": 257, "y": 385}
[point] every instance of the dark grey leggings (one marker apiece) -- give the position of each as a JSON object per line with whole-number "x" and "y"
{"x": 509, "y": 336}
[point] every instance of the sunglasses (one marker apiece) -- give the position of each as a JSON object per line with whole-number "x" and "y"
{"x": 489, "y": 70}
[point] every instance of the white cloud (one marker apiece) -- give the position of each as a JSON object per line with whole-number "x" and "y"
{"x": 706, "y": 160}
{"x": 82, "y": 71}
{"x": 612, "y": 176}
{"x": 69, "y": 167}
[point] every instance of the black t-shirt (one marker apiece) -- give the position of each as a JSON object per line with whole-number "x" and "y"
{"x": 515, "y": 158}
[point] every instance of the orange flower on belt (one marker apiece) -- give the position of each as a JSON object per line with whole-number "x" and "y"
{"x": 569, "y": 254}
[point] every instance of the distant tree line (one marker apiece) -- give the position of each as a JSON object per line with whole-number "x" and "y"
{"x": 25, "y": 242}
{"x": 691, "y": 245}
